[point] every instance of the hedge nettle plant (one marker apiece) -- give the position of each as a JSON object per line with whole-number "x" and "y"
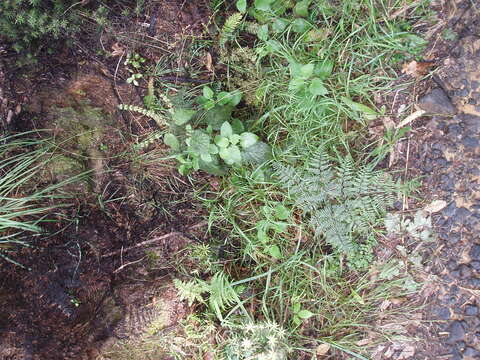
{"x": 218, "y": 140}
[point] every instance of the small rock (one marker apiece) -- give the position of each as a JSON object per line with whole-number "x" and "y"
{"x": 457, "y": 332}
{"x": 471, "y": 310}
{"x": 471, "y": 352}
{"x": 475, "y": 252}
{"x": 461, "y": 215}
{"x": 437, "y": 102}
{"x": 470, "y": 141}
{"x": 475, "y": 265}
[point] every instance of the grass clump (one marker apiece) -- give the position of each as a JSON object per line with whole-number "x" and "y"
{"x": 25, "y": 205}
{"x": 297, "y": 270}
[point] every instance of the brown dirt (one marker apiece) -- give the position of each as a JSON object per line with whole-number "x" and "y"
{"x": 75, "y": 299}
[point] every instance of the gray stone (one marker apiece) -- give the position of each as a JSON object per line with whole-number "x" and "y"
{"x": 457, "y": 332}
{"x": 437, "y": 102}
{"x": 475, "y": 252}
{"x": 471, "y": 310}
{"x": 471, "y": 352}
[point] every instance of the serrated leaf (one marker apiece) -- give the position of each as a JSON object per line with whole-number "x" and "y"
{"x": 323, "y": 70}
{"x": 305, "y": 314}
{"x": 307, "y": 70}
{"x": 317, "y": 88}
{"x": 234, "y": 139}
{"x": 226, "y": 129}
{"x": 206, "y": 157}
{"x": 258, "y": 153}
{"x": 182, "y": 116}
{"x": 248, "y": 139}
{"x": 231, "y": 155}
{"x": 216, "y": 116}
{"x": 221, "y": 142}
{"x": 208, "y": 92}
{"x": 199, "y": 142}
{"x": 296, "y": 84}
{"x": 242, "y": 6}
{"x": 171, "y": 141}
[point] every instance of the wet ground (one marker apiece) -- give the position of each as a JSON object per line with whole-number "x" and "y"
{"x": 444, "y": 150}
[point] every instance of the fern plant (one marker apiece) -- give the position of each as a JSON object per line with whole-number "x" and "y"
{"x": 221, "y": 294}
{"x": 230, "y": 27}
{"x": 343, "y": 202}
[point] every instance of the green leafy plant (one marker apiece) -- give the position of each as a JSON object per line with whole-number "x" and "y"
{"x": 221, "y": 142}
{"x": 300, "y": 314}
{"x": 344, "y": 202}
{"x": 274, "y": 224}
{"x": 134, "y": 63}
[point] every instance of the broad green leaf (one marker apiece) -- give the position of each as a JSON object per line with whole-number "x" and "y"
{"x": 171, "y": 141}
{"x": 237, "y": 126}
{"x": 317, "y": 88}
{"x": 208, "y": 92}
{"x": 301, "y": 26}
{"x": 234, "y": 139}
{"x": 199, "y": 143}
{"x": 224, "y": 98}
{"x": 279, "y": 25}
{"x": 206, "y": 157}
{"x": 368, "y": 112}
{"x": 222, "y": 142}
{"x": 182, "y": 116}
{"x": 263, "y": 5}
{"x": 296, "y": 307}
{"x": 324, "y": 70}
{"x": 248, "y": 139}
{"x": 231, "y": 155}
{"x": 226, "y": 129}
{"x": 279, "y": 226}
{"x": 296, "y": 84}
{"x": 262, "y": 32}
{"x": 301, "y": 8}
{"x": 305, "y": 314}
{"x": 216, "y": 116}
{"x": 307, "y": 70}
{"x": 235, "y": 98}
{"x": 242, "y": 5}
{"x": 281, "y": 212}
{"x": 212, "y": 149}
{"x": 274, "y": 251}
{"x": 295, "y": 69}
{"x": 257, "y": 154}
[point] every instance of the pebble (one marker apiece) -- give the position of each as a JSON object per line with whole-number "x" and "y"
{"x": 437, "y": 102}
{"x": 471, "y": 310}
{"x": 475, "y": 252}
{"x": 457, "y": 332}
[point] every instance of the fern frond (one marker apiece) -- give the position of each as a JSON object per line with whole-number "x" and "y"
{"x": 222, "y": 294}
{"x": 191, "y": 290}
{"x": 159, "y": 119}
{"x": 230, "y": 27}
{"x": 343, "y": 202}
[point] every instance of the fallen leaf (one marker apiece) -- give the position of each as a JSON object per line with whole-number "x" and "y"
{"x": 416, "y": 69}
{"x": 209, "y": 62}
{"x": 435, "y": 206}
{"x": 323, "y": 349}
{"x": 410, "y": 118}
{"x": 117, "y": 50}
